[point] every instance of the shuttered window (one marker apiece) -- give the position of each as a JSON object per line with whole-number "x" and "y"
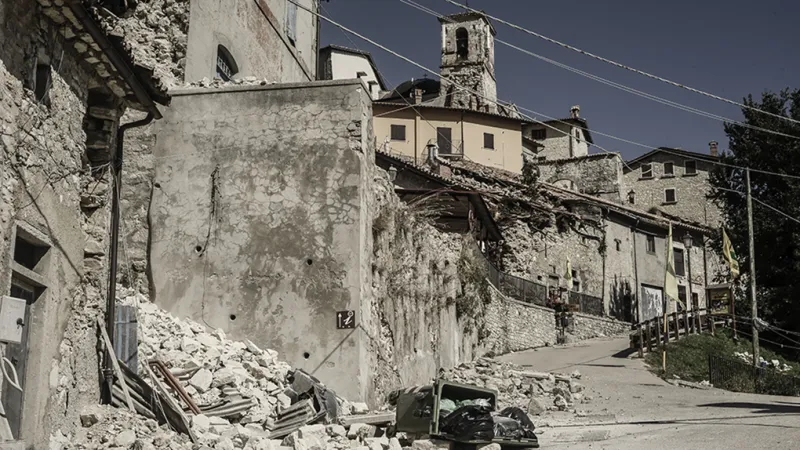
{"x": 291, "y": 22}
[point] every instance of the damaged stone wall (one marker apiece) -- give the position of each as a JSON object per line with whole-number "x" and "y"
{"x": 429, "y": 295}
{"x": 598, "y": 174}
{"x": 468, "y": 79}
{"x": 258, "y": 219}
{"x": 589, "y": 327}
{"x": 47, "y": 188}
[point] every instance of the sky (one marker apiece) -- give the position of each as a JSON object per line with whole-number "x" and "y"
{"x": 730, "y": 48}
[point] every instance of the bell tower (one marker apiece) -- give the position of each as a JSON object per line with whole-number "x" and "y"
{"x": 468, "y": 62}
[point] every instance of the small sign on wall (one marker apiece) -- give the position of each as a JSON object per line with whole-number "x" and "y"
{"x": 345, "y": 320}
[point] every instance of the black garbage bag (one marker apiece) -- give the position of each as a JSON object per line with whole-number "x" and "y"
{"x": 513, "y": 423}
{"x": 469, "y": 423}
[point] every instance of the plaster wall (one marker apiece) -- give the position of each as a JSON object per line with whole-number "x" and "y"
{"x": 254, "y": 32}
{"x": 260, "y": 219}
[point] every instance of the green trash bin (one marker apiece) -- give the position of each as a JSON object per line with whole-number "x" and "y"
{"x": 418, "y": 411}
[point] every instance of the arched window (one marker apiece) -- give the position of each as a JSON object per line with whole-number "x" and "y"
{"x": 462, "y": 43}
{"x": 226, "y": 65}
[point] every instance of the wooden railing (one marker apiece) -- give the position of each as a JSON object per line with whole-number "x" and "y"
{"x": 650, "y": 334}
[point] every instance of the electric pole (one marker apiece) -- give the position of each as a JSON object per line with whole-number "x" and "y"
{"x": 752, "y": 268}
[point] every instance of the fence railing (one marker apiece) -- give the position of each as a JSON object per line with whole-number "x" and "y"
{"x": 739, "y": 376}
{"x": 652, "y": 333}
{"x": 528, "y": 291}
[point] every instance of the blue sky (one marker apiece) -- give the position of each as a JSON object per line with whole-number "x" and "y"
{"x": 727, "y": 47}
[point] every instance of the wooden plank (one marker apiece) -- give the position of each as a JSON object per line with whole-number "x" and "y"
{"x": 369, "y": 419}
{"x": 686, "y": 322}
{"x": 176, "y": 412}
{"x": 641, "y": 342}
{"x": 675, "y": 323}
{"x": 648, "y": 337}
{"x": 115, "y": 364}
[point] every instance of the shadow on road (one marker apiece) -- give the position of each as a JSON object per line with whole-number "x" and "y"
{"x": 760, "y": 408}
{"x": 624, "y": 353}
{"x": 727, "y": 420}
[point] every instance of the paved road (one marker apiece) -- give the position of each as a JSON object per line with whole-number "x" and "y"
{"x": 633, "y": 409}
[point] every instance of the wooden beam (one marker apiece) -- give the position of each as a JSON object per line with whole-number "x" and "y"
{"x": 115, "y": 363}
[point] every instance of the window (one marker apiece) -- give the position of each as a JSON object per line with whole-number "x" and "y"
{"x": 632, "y": 197}
{"x": 681, "y": 297}
{"x": 539, "y": 135}
{"x": 226, "y": 66}
{"x": 291, "y": 22}
{"x": 462, "y": 43}
{"x": 541, "y": 158}
{"x": 669, "y": 169}
{"x": 444, "y": 139}
{"x": 576, "y": 286}
{"x": 669, "y": 196}
{"x": 695, "y": 300}
{"x": 398, "y": 132}
{"x": 647, "y": 171}
{"x": 578, "y": 134}
{"x": 680, "y": 269}
{"x": 690, "y": 167}
{"x": 651, "y": 244}
{"x": 26, "y": 253}
{"x": 618, "y": 244}
{"x": 488, "y": 141}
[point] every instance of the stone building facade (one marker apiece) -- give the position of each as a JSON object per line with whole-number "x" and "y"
{"x": 598, "y": 174}
{"x": 64, "y": 84}
{"x": 675, "y": 182}
{"x": 561, "y": 138}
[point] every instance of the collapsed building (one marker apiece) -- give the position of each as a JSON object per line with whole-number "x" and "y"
{"x": 250, "y": 201}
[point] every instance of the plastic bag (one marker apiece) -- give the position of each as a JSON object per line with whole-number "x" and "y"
{"x": 446, "y": 406}
{"x": 469, "y": 423}
{"x": 477, "y": 402}
{"x": 513, "y": 423}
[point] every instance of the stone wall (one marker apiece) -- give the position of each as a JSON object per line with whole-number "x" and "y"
{"x": 515, "y": 326}
{"x": 598, "y": 174}
{"x": 589, "y": 327}
{"x": 260, "y": 219}
{"x": 48, "y": 194}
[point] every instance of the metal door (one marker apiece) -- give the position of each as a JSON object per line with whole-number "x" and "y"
{"x": 18, "y": 355}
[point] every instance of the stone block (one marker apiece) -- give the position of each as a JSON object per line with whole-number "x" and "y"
{"x": 536, "y": 406}
{"x": 125, "y": 439}
{"x": 201, "y": 380}
{"x": 201, "y": 422}
{"x": 361, "y": 430}
{"x": 431, "y": 444}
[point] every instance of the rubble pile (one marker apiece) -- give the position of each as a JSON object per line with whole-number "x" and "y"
{"x": 155, "y": 34}
{"x": 211, "y": 367}
{"x": 773, "y": 364}
{"x": 218, "y": 82}
{"x": 535, "y": 392}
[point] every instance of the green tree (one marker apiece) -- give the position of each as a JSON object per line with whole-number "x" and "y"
{"x": 777, "y": 238}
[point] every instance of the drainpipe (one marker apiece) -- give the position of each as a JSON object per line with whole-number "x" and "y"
{"x": 636, "y": 274}
{"x": 108, "y": 370}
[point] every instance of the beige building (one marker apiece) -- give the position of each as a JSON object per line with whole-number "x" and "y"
{"x": 341, "y": 63}
{"x": 485, "y": 138}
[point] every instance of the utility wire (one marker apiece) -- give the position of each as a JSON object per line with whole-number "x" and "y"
{"x": 416, "y": 64}
{"x": 622, "y": 66}
{"x": 607, "y": 82}
{"x": 784, "y": 214}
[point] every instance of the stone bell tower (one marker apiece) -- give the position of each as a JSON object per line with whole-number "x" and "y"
{"x": 468, "y": 62}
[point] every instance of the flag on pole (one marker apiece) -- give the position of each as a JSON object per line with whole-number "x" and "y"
{"x": 670, "y": 280}
{"x": 730, "y": 255}
{"x": 568, "y": 275}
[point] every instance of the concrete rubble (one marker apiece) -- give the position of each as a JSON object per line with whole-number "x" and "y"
{"x": 774, "y": 364}
{"x": 534, "y": 392}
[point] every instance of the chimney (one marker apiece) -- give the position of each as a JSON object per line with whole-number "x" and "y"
{"x": 575, "y": 112}
{"x": 417, "y": 96}
{"x": 713, "y": 149}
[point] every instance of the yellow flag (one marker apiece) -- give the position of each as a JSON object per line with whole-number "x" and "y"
{"x": 730, "y": 254}
{"x": 670, "y": 280}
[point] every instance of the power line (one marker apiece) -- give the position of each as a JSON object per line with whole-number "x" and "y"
{"x": 762, "y": 203}
{"x": 622, "y": 66}
{"x": 416, "y": 64}
{"x": 607, "y": 82}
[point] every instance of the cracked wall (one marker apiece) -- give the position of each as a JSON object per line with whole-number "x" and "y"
{"x": 598, "y": 174}
{"x": 259, "y": 217}
{"x": 46, "y": 187}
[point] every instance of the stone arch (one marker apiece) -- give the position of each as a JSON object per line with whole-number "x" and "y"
{"x": 566, "y": 181}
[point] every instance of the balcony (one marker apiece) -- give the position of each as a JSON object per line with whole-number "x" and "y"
{"x": 451, "y": 149}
